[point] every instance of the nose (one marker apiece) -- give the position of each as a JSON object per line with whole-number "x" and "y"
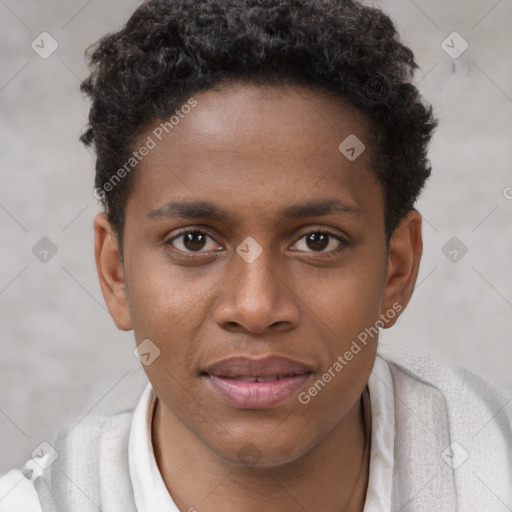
{"x": 257, "y": 296}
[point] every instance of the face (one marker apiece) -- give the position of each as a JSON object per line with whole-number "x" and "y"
{"x": 254, "y": 258}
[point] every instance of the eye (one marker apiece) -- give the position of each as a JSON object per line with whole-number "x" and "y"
{"x": 320, "y": 241}
{"x": 192, "y": 241}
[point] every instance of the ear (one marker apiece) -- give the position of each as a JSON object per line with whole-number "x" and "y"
{"x": 111, "y": 272}
{"x": 405, "y": 248}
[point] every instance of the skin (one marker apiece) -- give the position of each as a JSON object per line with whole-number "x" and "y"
{"x": 253, "y": 151}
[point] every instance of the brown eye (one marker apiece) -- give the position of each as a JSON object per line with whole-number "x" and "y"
{"x": 192, "y": 241}
{"x": 319, "y": 241}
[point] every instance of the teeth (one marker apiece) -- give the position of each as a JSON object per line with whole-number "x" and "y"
{"x": 259, "y": 379}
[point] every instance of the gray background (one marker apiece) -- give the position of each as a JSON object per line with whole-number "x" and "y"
{"x": 61, "y": 355}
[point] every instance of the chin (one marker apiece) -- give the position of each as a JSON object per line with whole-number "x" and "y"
{"x": 255, "y": 451}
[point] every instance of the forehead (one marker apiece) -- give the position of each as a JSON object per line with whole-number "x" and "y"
{"x": 258, "y": 146}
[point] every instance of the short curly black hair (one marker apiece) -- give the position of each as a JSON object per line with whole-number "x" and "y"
{"x": 170, "y": 49}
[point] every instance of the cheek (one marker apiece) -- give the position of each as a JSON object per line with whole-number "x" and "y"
{"x": 344, "y": 301}
{"x": 171, "y": 307}
{"x": 164, "y": 298}
{"x": 344, "y": 321}
{"x": 343, "y": 312}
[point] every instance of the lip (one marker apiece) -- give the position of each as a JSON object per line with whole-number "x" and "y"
{"x": 236, "y": 380}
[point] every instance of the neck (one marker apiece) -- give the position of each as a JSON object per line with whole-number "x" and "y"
{"x": 332, "y": 475}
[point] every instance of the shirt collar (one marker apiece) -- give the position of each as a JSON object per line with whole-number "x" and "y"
{"x": 149, "y": 490}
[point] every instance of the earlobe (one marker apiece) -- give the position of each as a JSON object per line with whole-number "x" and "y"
{"x": 405, "y": 249}
{"x": 111, "y": 273}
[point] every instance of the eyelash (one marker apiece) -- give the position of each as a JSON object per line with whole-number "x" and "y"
{"x": 196, "y": 255}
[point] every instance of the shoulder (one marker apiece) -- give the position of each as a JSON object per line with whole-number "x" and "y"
{"x": 90, "y": 431}
{"x": 470, "y": 413}
{"x": 459, "y": 385}
{"x": 76, "y": 454}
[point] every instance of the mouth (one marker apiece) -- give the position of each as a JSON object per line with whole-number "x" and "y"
{"x": 248, "y": 383}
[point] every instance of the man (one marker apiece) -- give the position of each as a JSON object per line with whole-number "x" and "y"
{"x": 258, "y": 162}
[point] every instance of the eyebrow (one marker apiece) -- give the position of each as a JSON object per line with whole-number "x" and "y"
{"x": 196, "y": 209}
